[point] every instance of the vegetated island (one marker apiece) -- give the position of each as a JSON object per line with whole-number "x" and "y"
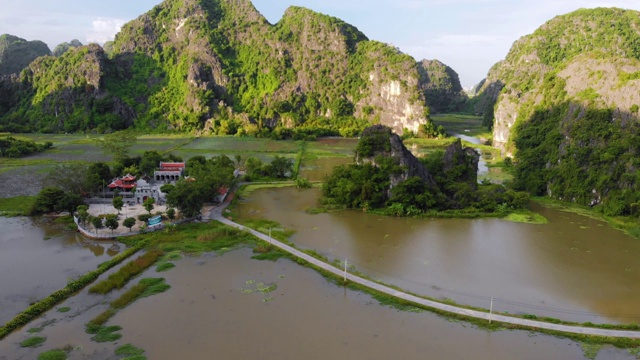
{"x": 388, "y": 179}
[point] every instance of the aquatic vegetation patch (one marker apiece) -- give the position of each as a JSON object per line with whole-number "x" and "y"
{"x": 55, "y": 354}
{"x": 144, "y": 288}
{"x": 526, "y": 217}
{"x": 128, "y": 350}
{"x": 590, "y": 351}
{"x": 104, "y": 333}
{"x": 165, "y": 266}
{"x": 33, "y": 341}
{"x": 120, "y": 278}
{"x": 64, "y": 309}
{"x": 251, "y": 286}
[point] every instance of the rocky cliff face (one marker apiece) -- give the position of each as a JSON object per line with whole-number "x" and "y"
{"x": 568, "y": 108}
{"x": 581, "y": 48}
{"x": 16, "y": 53}
{"x": 379, "y": 141}
{"x": 217, "y": 65}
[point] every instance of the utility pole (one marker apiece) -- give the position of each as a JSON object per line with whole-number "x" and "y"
{"x": 270, "y": 236}
{"x": 490, "y": 310}
{"x": 345, "y": 270}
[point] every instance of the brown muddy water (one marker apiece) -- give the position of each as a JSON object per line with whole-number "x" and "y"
{"x": 574, "y": 268}
{"x": 37, "y": 259}
{"x": 215, "y": 309}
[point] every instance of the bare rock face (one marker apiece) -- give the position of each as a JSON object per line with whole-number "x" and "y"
{"x": 579, "y": 57}
{"x": 464, "y": 161}
{"x": 382, "y": 142}
{"x": 393, "y": 101}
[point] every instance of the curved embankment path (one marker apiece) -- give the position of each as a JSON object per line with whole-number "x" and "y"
{"x": 216, "y": 214}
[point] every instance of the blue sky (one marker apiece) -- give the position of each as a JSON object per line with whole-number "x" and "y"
{"x": 468, "y": 35}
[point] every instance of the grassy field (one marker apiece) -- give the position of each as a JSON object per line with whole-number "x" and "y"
{"x": 316, "y": 159}
{"x": 462, "y": 124}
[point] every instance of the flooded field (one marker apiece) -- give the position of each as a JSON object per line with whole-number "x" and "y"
{"x": 573, "y": 268}
{"x": 38, "y": 259}
{"x": 232, "y": 307}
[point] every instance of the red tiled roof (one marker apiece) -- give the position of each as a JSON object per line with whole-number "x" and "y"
{"x": 121, "y": 185}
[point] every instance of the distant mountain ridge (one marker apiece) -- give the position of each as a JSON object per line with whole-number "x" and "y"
{"x": 17, "y": 53}
{"x": 219, "y": 66}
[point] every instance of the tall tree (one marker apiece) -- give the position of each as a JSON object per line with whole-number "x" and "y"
{"x": 117, "y": 203}
{"x": 148, "y": 204}
{"x": 187, "y": 197}
{"x": 129, "y": 223}
{"x": 97, "y": 223}
{"x": 112, "y": 222}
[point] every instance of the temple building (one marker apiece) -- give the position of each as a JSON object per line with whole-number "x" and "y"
{"x": 169, "y": 172}
{"x": 145, "y": 190}
{"x": 123, "y": 184}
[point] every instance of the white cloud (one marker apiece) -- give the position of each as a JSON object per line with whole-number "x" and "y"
{"x": 104, "y": 29}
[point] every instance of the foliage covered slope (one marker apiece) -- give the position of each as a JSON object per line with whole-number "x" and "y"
{"x": 17, "y": 53}
{"x": 566, "y": 104}
{"x": 218, "y": 65}
{"x": 441, "y": 86}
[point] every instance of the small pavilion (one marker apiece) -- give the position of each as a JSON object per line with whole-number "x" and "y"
{"x": 123, "y": 184}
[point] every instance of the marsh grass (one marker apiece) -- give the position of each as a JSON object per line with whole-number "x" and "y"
{"x": 104, "y": 333}
{"x": 591, "y": 351}
{"x": 17, "y": 206}
{"x": 120, "y": 278}
{"x": 33, "y": 341}
{"x": 526, "y": 217}
{"x": 145, "y": 287}
{"x": 462, "y": 124}
{"x": 629, "y": 225}
{"x": 55, "y": 354}
{"x": 128, "y": 350}
{"x": 165, "y": 267}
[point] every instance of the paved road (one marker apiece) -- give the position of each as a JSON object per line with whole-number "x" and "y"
{"x": 216, "y": 214}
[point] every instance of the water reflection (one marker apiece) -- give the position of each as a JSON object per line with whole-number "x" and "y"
{"x": 574, "y": 268}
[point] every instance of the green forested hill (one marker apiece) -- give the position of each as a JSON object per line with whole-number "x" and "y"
{"x": 441, "y": 86}
{"x": 17, "y": 53}
{"x": 565, "y": 103}
{"x": 221, "y": 67}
